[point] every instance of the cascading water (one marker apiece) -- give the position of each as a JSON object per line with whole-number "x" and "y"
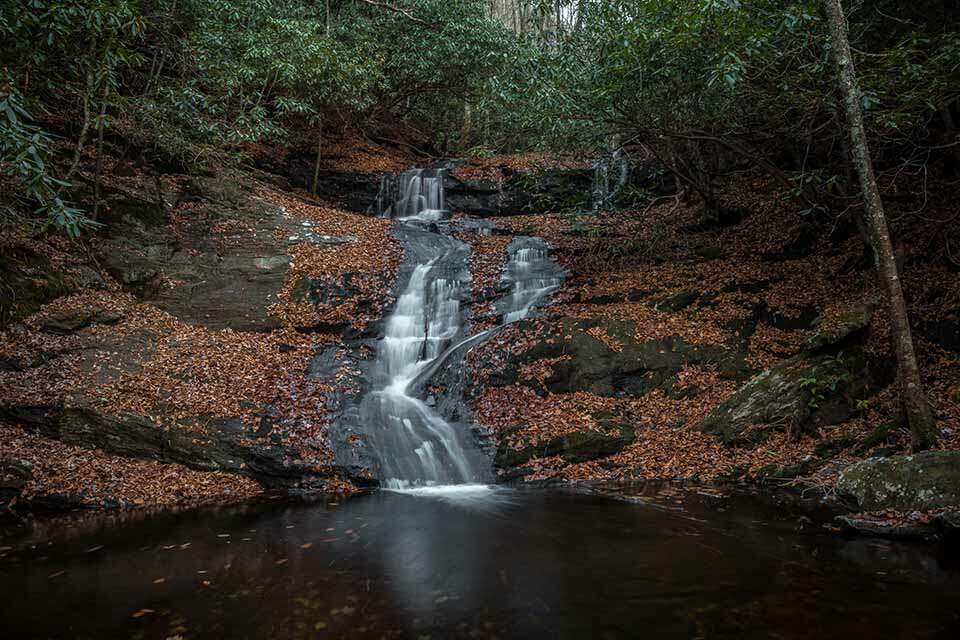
{"x": 417, "y": 447}
{"x": 533, "y": 276}
{"x": 414, "y": 193}
{"x": 610, "y": 175}
{"x": 413, "y": 444}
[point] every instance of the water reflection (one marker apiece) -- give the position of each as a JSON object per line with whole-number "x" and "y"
{"x": 478, "y": 561}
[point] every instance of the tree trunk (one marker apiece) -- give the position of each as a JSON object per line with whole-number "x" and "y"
{"x": 99, "y": 170}
{"x": 916, "y": 409}
{"x": 316, "y": 165}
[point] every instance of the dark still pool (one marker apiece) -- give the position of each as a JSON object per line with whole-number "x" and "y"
{"x": 477, "y": 562}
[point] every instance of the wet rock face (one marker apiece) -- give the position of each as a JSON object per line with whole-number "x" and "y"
{"x": 796, "y": 396}
{"x": 525, "y": 192}
{"x": 218, "y": 279}
{"x": 924, "y": 481}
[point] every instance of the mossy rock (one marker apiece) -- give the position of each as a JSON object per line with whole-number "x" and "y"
{"x": 798, "y": 396}
{"x": 920, "y": 482}
{"x": 14, "y": 475}
{"x": 834, "y": 331}
{"x": 578, "y": 446}
{"x": 676, "y": 302}
{"x": 68, "y": 322}
{"x": 786, "y": 472}
{"x": 28, "y": 281}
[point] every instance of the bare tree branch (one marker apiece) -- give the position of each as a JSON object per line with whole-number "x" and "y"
{"x": 400, "y": 10}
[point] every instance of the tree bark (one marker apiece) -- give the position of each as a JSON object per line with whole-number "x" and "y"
{"x": 916, "y": 409}
{"x": 316, "y": 165}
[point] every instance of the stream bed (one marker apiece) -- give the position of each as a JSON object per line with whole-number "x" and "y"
{"x": 473, "y": 561}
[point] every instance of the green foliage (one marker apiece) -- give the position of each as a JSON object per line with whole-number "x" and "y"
{"x": 25, "y": 157}
{"x": 708, "y": 85}
{"x": 825, "y": 378}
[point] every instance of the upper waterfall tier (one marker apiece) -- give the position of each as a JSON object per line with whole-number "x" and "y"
{"x": 416, "y": 193}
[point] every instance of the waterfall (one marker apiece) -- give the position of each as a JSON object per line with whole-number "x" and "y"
{"x": 417, "y": 447}
{"x": 413, "y": 445}
{"x": 607, "y": 187}
{"x": 533, "y": 275}
{"x": 415, "y": 193}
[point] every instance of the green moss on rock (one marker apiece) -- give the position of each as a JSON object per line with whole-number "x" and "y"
{"x": 797, "y": 395}
{"x": 924, "y": 481}
{"x": 27, "y": 282}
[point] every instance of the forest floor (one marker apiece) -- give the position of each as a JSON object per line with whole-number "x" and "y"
{"x": 766, "y": 280}
{"x": 202, "y": 321}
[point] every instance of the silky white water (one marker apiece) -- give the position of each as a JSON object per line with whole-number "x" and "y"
{"x": 415, "y": 447}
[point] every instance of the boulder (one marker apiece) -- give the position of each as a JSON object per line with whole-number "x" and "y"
{"x": 631, "y": 367}
{"x": 798, "y": 395}
{"x": 921, "y": 482}
{"x": 832, "y": 331}
{"x": 14, "y": 475}
{"x": 67, "y": 322}
{"x": 579, "y": 446}
{"x": 34, "y": 279}
{"x": 945, "y": 331}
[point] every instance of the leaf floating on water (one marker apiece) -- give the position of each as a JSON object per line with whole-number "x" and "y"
{"x": 141, "y": 613}
{"x": 320, "y": 626}
{"x": 306, "y": 545}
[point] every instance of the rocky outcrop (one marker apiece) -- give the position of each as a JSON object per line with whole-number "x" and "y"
{"x": 520, "y": 192}
{"x": 67, "y": 322}
{"x": 617, "y": 365}
{"x": 223, "y": 271}
{"x": 31, "y": 276}
{"x": 925, "y": 481}
{"x": 578, "y": 446}
{"x": 206, "y": 445}
{"x": 796, "y": 396}
{"x": 14, "y": 475}
{"x": 836, "y": 330}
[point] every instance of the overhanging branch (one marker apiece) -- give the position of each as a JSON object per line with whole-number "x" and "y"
{"x": 399, "y": 10}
